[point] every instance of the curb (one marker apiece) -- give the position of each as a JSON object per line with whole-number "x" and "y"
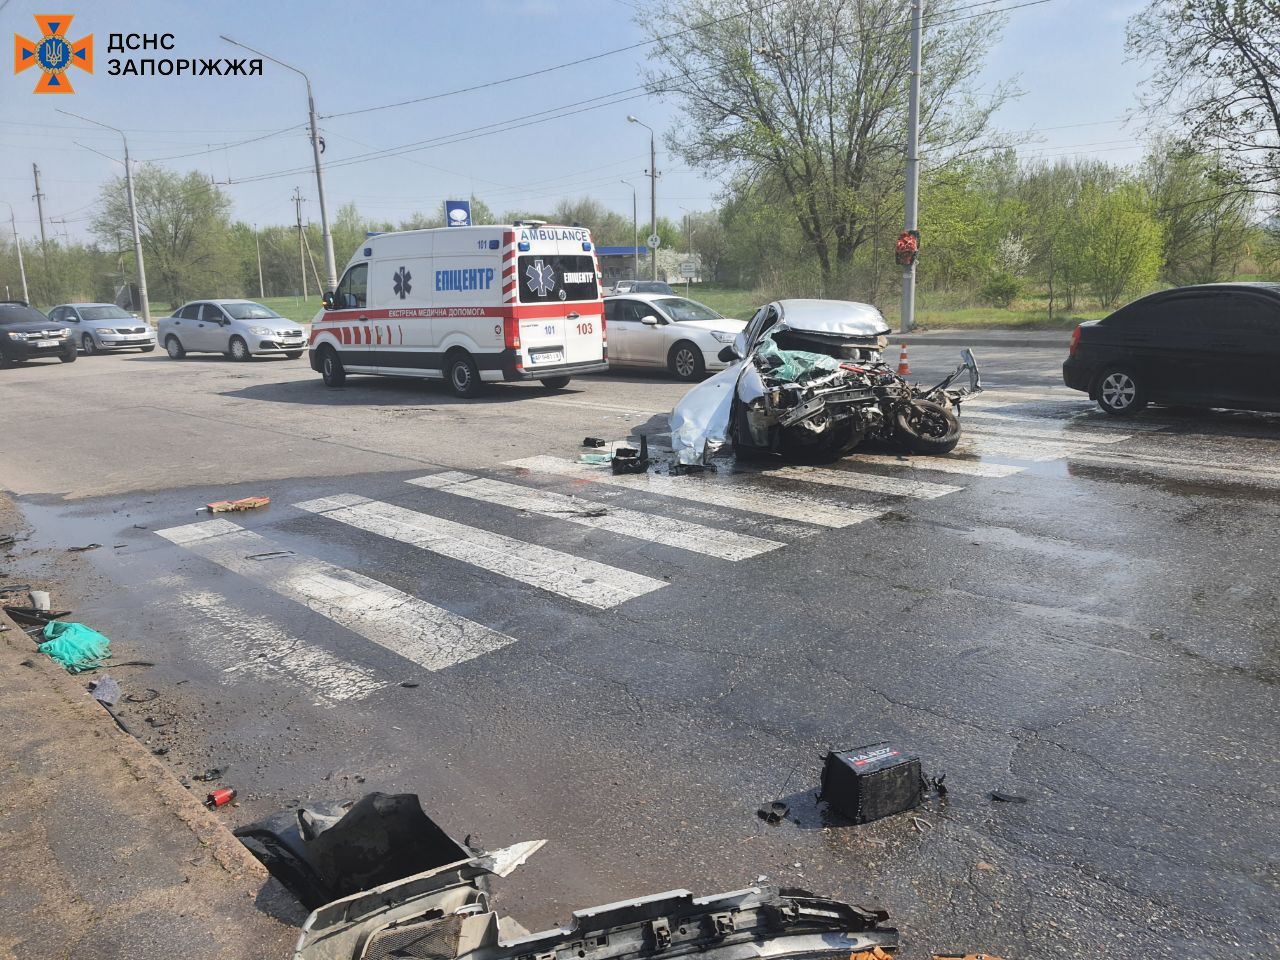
{"x": 213, "y": 835}
{"x": 924, "y": 340}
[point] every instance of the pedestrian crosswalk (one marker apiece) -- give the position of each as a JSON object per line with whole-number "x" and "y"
{"x": 558, "y": 515}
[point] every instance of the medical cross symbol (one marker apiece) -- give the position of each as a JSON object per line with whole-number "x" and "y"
{"x": 542, "y": 279}
{"x": 400, "y": 283}
{"x": 54, "y": 54}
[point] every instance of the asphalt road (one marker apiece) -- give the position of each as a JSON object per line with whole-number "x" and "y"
{"x": 1086, "y": 617}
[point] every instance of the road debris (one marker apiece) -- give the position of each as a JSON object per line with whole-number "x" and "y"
{"x": 147, "y": 695}
{"x": 234, "y": 506}
{"x": 774, "y": 813}
{"x": 872, "y": 782}
{"x": 84, "y": 549}
{"x": 631, "y": 460}
{"x": 39, "y": 599}
{"x": 594, "y": 442}
{"x": 220, "y": 797}
{"x": 213, "y": 773}
{"x": 33, "y": 616}
{"x": 1001, "y": 797}
{"x": 329, "y": 851}
{"x": 106, "y": 690}
{"x": 595, "y": 459}
{"x": 75, "y": 646}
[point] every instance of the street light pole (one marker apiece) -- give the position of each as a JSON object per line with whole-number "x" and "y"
{"x": 635, "y": 231}
{"x": 913, "y": 167}
{"x": 330, "y": 265}
{"x": 653, "y": 191}
{"x": 133, "y": 214}
{"x": 18, "y": 243}
{"x": 262, "y": 293}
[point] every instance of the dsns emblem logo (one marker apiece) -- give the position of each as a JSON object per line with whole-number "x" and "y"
{"x": 53, "y": 53}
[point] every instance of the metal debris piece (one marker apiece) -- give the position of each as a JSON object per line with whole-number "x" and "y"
{"x": 1001, "y": 797}
{"x": 774, "y": 813}
{"x": 233, "y": 506}
{"x": 87, "y": 546}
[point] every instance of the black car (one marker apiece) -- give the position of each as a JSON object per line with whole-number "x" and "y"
{"x": 1214, "y": 345}
{"x": 27, "y": 334}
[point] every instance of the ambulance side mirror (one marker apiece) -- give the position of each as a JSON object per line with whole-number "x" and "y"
{"x": 330, "y": 300}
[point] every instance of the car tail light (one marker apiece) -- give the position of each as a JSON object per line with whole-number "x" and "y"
{"x": 511, "y": 332}
{"x": 1075, "y": 340}
{"x": 604, "y": 331}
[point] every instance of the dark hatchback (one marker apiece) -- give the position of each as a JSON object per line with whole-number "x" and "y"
{"x": 1215, "y": 345}
{"x": 27, "y": 334}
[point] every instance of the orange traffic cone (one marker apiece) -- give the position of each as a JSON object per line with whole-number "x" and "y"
{"x": 904, "y": 368}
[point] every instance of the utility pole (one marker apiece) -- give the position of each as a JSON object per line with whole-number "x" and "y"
{"x": 688, "y": 239}
{"x": 262, "y": 293}
{"x": 913, "y": 167}
{"x": 653, "y": 192}
{"x": 22, "y": 270}
{"x": 39, "y": 199}
{"x": 635, "y": 231}
{"x": 133, "y": 215}
{"x": 302, "y": 255}
{"x": 330, "y": 265}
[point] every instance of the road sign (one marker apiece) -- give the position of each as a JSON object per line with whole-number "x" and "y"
{"x": 688, "y": 269}
{"x": 655, "y": 241}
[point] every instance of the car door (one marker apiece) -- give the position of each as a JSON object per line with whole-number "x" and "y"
{"x": 210, "y": 333}
{"x": 626, "y": 322}
{"x": 617, "y": 332}
{"x": 183, "y": 325}
{"x": 1246, "y": 347}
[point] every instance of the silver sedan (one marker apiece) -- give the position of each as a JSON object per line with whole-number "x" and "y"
{"x": 96, "y": 327}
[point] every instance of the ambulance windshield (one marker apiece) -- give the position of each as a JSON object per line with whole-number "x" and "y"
{"x": 553, "y": 278}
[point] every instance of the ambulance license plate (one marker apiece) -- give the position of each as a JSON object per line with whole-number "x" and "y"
{"x": 546, "y": 356}
{"x": 41, "y": 344}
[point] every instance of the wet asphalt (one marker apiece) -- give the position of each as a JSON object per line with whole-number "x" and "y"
{"x": 1096, "y": 635}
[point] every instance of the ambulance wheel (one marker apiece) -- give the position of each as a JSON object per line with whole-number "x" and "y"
{"x": 331, "y": 368}
{"x": 464, "y": 376}
{"x": 555, "y": 383}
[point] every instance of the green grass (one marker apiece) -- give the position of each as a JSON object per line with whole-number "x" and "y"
{"x": 994, "y": 318}
{"x": 726, "y": 301}
{"x": 294, "y": 308}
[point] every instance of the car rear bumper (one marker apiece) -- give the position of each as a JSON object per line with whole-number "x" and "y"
{"x": 512, "y": 372}
{"x": 1078, "y": 375}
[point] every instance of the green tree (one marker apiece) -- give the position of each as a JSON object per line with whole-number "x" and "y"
{"x": 185, "y": 232}
{"x": 807, "y": 101}
{"x": 1204, "y": 210}
{"x": 1116, "y": 242}
{"x": 1217, "y": 71}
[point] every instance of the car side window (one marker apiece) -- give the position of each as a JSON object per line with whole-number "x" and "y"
{"x": 1249, "y": 315}
{"x": 634, "y": 310}
{"x": 353, "y": 291}
{"x": 212, "y": 313}
{"x": 611, "y": 311}
{"x": 1183, "y": 315}
{"x": 190, "y": 312}
{"x": 56, "y": 314}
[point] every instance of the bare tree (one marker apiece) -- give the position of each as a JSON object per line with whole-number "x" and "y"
{"x": 1217, "y": 71}
{"x": 807, "y": 99}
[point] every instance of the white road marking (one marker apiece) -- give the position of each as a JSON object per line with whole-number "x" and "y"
{"x": 257, "y": 647}
{"x": 870, "y": 482}
{"x": 1217, "y": 472}
{"x": 708, "y": 490}
{"x": 696, "y": 537}
{"x": 1013, "y": 448}
{"x": 957, "y": 465}
{"x": 428, "y": 635}
{"x": 1014, "y": 430}
{"x": 586, "y": 581}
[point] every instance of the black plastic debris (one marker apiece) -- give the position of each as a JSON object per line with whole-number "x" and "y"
{"x": 631, "y": 460}
{"x": 872, "y": 782}
{"x": 33, "y": 616}
{"x": 774, "y": 813}
{"x": 1001, "y": 797}
{"x": 329, "y": 851}
{"x": 86, "y": 547}
{"x": 593, "y": 442}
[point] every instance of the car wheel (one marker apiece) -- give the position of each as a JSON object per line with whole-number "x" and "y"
{"x": 555, "y": 383}
{"x": 685, "y": 361}
{"x": 87, "y": 345}
{"x": 923, "y": 426}
{"x": 293, "y": 354}
{"x": 464, "y": 376}
{"x": 173, "y": 347}
{"x": 331, "y": 368}
{"x": 239, "y": 350}
{"x": 69, "y": 355}
{"x": 148, "y": 349}
{"x": 1119, "y": 393}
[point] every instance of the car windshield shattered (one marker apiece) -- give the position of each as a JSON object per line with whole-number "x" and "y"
{"x": 808, "y": 380}
{"x": 679, "y": 309}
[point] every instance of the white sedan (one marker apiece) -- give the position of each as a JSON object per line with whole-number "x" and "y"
{"x": 654, "y": 330}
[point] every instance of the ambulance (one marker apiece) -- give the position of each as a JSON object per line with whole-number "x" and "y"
{"x": 469, "y": 305}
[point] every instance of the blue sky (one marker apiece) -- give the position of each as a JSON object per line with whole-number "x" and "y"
{"x": 1068, "y": 55}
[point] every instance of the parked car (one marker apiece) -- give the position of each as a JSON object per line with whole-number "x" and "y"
{"x": 241, "y": 329}
{"x": 1213, "y": 345}
{"x": 651, "y": 330}
{"x": 643, "y": 286}
{"x": 104, "y": 326}
{"x": 27, "y": 334}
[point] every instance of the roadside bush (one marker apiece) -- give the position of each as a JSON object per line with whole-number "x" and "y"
{"x": 1000, "y": 290}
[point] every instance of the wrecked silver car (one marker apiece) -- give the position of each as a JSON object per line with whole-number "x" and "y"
{"x": 807, "y": 380}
